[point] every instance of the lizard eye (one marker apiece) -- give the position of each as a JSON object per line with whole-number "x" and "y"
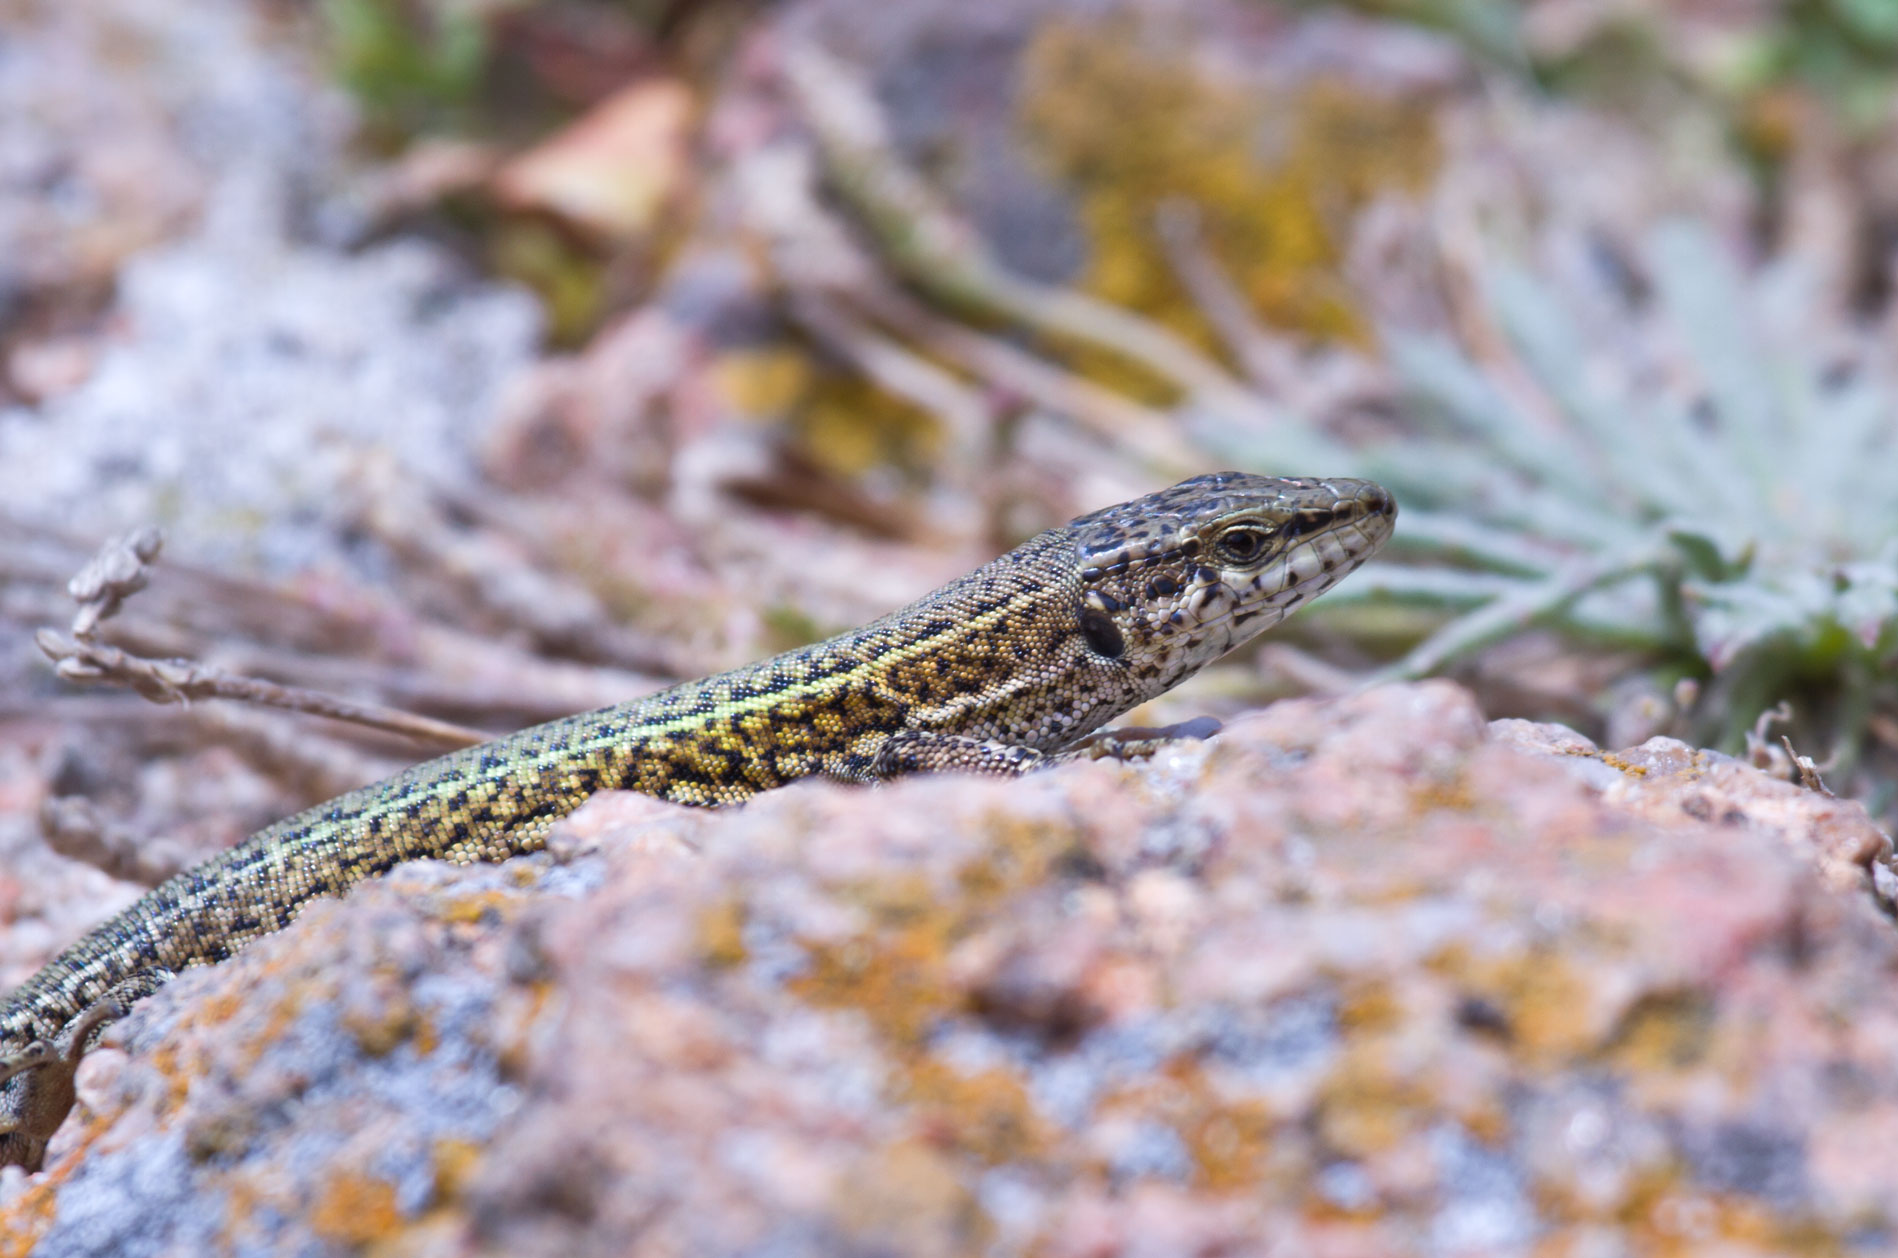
{"x": 1102, "y": 635}
{"x": 1243, "y": 543}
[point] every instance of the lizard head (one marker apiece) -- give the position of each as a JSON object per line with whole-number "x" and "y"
{"x": 1173, "y": 581}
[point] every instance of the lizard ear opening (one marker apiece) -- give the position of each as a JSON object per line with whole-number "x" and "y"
{"x": 1102, "y": 634}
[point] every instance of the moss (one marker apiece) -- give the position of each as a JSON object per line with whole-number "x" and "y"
{"x": 835, "y": 419}
{"x": 788, "y": 627}
{"x": 762, "y": 382}
{"x": 848, "y": 426}
{"x": 409, "y": 65}
{"x": 1132, "y": 126}
{"x": 569, "y": 280}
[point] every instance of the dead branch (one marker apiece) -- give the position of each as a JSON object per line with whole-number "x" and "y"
{"x": 74, "y": 828}
{"x": 1148, "y": 433}
{"x": 180, "y": 681}
{"x": 118, "y": 571}
{"x": 966, "y": 416}
{"x": 313, "y": 765}
{"x": 1266, "y": 361}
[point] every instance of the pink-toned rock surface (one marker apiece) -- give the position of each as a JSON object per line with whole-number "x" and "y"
{"x": 1363, "y": 977}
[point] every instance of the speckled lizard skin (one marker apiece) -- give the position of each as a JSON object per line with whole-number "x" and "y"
{"x": 999, "y": 672}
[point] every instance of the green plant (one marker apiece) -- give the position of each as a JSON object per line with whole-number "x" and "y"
{"x": 1708, "y": 473}
{"x": 411, "y": 66}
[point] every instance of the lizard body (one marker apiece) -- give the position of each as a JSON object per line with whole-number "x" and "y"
{"x": 997, "y": 672}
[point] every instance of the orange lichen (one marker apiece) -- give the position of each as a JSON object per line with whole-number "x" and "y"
{"x": 986, "y": 1115}
{"x": 456, "y": 1162}
{"x": 1451, "y": 795}
{"x": 165, "y": 1061}
{"x": 1021, "y": 852}
{"x": 721, "y": 934}
{"x": 915, "y": 1203}
{"x": 1366, "y": 1105}
{"x": 895, "y": 972}
{"x": 474, "y": 908}
{"x": 383, "y": 1027}
{"x": 1663, "y": 1031}
{"x": 1543, "y": 997}
{"x": 1230, "y": 1143}
{"x": 354, "y": 1209}
{"x": 1622, "y": 765}
{"x": 1547, "y": 1001}
{"x": 219, "y": 1007}
{"x": 895, "y": 980}
{"x": 1369, "y": 1007}
{"x": 28, "y": 1216}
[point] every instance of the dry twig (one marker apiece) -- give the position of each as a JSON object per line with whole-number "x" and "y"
{"x": 1117, "y": 419}
{"x": 966, "y": 416}
{"x": 1807, "y": 771}
{"x": 180, "y": 681}
{"x": 119, "y": 570}
{"x": 931, "y": 247}
{"x": 1266, "y": 361}
{"x": 490, "y": 567}
{"x": 74, "y": 829}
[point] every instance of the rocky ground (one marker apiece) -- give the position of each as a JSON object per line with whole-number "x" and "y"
{"x": 1358, "y": 977}
{"x": 775, "y": 319}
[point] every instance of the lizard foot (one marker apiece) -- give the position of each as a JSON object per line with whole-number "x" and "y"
{"x": 36, "y": 1085}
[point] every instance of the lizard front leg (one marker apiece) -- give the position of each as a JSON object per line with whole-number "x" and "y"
{"x": 1136, "y": 742}
{"x": 924, "y": 751}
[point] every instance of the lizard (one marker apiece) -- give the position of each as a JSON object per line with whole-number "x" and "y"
{"x": 1007, "y": 669}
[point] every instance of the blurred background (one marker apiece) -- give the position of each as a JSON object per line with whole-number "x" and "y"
{"x": 496, "y": 359}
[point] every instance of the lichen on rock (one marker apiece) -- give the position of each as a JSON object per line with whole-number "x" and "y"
{"x": 1369, "y": 975}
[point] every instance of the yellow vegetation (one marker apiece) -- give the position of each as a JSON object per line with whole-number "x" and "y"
{"x": 1131, "y": 127}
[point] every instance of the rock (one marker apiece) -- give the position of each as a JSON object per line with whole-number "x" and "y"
{"x": 255, "y": 352}
{"x": 1357, "y": 977}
